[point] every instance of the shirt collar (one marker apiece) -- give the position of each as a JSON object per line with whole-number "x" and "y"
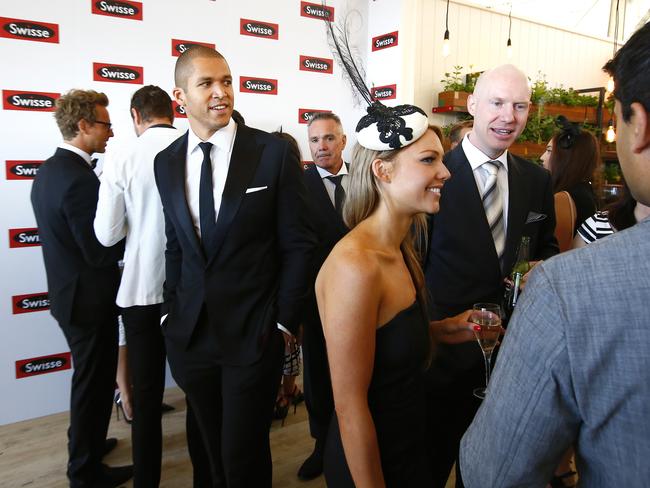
{"x": 476, "y": 157}
{"x": 324, "y": 173}
{"x": 76, "y": 150}
{"x": 222, "y": 138}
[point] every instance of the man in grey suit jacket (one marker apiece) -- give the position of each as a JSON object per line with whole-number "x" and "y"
{"x": 574, "y": 367}
{"x": 473, "y": 246}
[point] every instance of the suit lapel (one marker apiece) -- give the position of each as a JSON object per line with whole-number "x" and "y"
{"x": 244, "y": 160}
{"x": 177, "y": 163}
{"x": 517, "y": 210}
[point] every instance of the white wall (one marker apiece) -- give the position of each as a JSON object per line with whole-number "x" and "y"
{"x": 478, "y": 37}
{"x": 56, "y": 67}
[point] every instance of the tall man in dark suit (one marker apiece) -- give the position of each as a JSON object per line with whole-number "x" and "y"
{"x": 82, "y": 279}
{"x": 325, "y": 182}
{"x": 492, "y": 199}
{"x": 238, "y": 248}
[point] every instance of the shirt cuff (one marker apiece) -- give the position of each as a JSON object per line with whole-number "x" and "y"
{"x": 284, "y": 329}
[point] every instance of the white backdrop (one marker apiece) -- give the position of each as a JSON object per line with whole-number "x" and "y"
{"x": 85, "y": 35}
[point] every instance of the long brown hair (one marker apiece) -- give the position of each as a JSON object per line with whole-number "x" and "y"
{"x": 575, "y": 164}
{"x": 363, "y": 196}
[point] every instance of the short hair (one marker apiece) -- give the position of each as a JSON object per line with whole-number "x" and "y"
{"x": 325, "y": 116}
{"x": 577, "y": 163}
{"x": 454, "y": 132}
{"x": 152, "y": 102}
{"x": 630, "y": 69}
{"x": 74, "y": 106}
{"x": 238, "y": 118}
{"x": 183, "y": 67}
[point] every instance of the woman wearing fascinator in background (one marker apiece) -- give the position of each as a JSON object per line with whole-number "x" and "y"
{"x": 573, "y": 156}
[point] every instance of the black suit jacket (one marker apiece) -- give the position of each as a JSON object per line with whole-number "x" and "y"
{"x": 82, "y": 275}
{"x": 257, "y": 273}
{"x": 329, "y": 228}
{"x": 461, "y": 266}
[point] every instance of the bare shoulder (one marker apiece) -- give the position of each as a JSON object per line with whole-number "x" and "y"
{"x": 350, "y": 263}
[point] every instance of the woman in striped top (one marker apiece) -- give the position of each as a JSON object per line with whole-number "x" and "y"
{"x": 623, "y": 213}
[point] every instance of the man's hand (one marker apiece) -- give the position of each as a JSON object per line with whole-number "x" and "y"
{"x": 453, "y": 330}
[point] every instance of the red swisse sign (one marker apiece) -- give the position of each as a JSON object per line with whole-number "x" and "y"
{"x": 29, "y": 30}
{"x": 318, "y": 65}
{"x": 27, "y": 237}
{"x": 43, "y": 365}
{"x": 125, "y": 9}
{"x": 34, "y": 302}
{"x": 305, "y": 114}
{"x": 118, "y": 73}
{"x": 179, "y": 111}
{"x": 22, "y": 170}
{"x": 29, "y": 100}
{"x": 265, "y": 86}
{"x": 384, "y": 41}
{"x": 317, "y": 11}
{"x": 257, "y": 28}
{"x": 179, "y": 46}
{"x": 386, "y": 92}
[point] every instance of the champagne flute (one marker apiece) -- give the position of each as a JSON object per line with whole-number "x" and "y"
{"x": 487, "y": 317}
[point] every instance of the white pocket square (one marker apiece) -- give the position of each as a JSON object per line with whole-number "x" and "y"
{"x": 256, "y": 188}
{"x": 535, "y": 217}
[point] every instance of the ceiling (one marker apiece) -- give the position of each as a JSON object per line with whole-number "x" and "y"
{"x": 593, "y": 17}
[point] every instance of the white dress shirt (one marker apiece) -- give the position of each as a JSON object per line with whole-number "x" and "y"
{"x": 222, "y": 144}
{"x": 330, "y": 186}
{"x": 129, "y": 206}
{"x": 476, "y": 158}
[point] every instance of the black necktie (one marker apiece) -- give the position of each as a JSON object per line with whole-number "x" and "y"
{"x": 339, "y": 193}
{"x": 207, "y": 216}
{"x": 93, "y": 163}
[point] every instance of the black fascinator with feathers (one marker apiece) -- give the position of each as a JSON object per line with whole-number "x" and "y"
{"x": 569, "y": 132}
{"x": 383, "y": 128}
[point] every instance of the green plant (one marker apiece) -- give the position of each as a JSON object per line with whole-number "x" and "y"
{"x": 539, "y": 128}
{"x": 541, "y": 94}
{"x": 455, "y": 81}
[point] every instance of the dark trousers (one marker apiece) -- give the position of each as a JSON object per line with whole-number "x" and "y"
{"x": 146, "y": 353}
{"x": 316, "y": 377}
{"x": 93, "y": 346}
{"x": 450, "y": 410}
{"x": 231, "y": 409}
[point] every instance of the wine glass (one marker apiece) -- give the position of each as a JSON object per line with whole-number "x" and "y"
{"x": 487, "y": 316}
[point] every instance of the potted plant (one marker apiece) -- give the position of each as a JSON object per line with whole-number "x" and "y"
{"x": 456, "y": 88}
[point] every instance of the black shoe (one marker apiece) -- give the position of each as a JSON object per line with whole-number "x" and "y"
{"x": 109, "y": 445}
{"x": 120, "y": 406}
{"x": 165, "y": 407}
{"x": 313, "y": 465}
{"x": 112, "y": 477}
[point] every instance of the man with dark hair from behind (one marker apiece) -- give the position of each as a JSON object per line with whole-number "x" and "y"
{"x": 82, "y": 279}
{"x": 129, "y": 206}
{"x": 458, "y": 131}
{"x": 574, "y": 367}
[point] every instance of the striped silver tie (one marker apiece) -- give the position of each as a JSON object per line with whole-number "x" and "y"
{"x": 493, "y": 205}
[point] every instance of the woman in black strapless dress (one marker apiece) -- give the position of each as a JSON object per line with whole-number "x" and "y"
{"x": 369, "y": 298}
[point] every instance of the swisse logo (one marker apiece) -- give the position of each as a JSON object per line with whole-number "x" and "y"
{"x": 305, "y": 114}
{"x": 29, "y": 30}
{"x": 118, "y": 73}
{"x": 24, "y": 100}
{"x": 24, "y": 237}
{"x": 386, "y": 92}
{"x": 43, "y": 364}
{"x": 179, "y": 46}
{"x": 258, "y": 85}
{"x": 385, "y": 41}
{"x": 319, "y": 65}
{"x": 257, "y": 28}
{"x": 315, "y": 11}
{"x": 34, "y": 302}
{"x": 22, "y": 170}
{"x": 179, "y": 110}
{"x": 118, "y": 8}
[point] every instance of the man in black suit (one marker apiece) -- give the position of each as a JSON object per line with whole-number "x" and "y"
{"x": 82, "y": 279}
{"x": 238, "y": 248}
{"x": 325, "y": 182}
{"x": 492, "y": 199}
